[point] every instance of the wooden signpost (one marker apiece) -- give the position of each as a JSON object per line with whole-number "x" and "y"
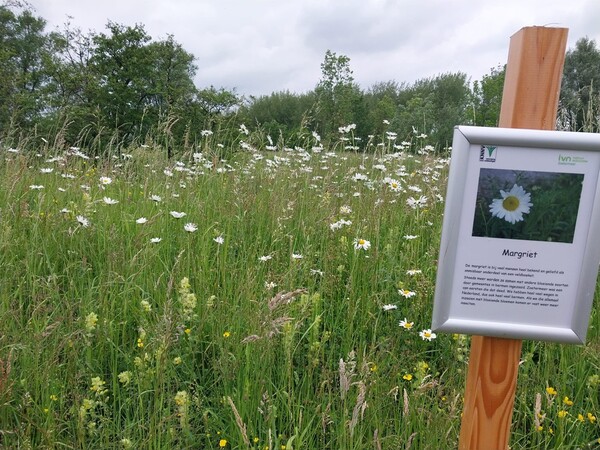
{"x": 530, "y": 100}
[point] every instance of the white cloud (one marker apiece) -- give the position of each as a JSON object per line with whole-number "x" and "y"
{"x": 271, "y": 45}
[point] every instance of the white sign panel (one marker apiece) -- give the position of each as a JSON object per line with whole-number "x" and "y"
{"x": 520, "y": 243}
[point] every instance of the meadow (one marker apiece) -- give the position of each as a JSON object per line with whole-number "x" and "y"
{"x": 266, "y": 298}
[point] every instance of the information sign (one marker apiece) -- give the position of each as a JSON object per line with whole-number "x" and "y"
{"x": 520, "y": 245}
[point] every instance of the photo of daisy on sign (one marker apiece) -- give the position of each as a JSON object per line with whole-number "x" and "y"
{"x": 527, "y": 205}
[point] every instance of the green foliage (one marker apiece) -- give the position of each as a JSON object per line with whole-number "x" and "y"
{"x": 22, "y": 48}
{"x": 282, "y": 114}
{"x": 580, "y": 98}
{"x": 487, "y": 98}
{"x": 433, "y": 107}
{"x": 339, "y": 98}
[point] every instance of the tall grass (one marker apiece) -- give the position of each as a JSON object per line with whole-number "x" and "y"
{"x": 264, "y": 328}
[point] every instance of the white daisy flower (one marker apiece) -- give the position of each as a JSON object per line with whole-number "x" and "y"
{"x": 427, "y": 335}
{"x": 406, "y": 324}
{"x": 406, "y": 293}
{"x": 178, "y": 215}
{"x": 155, "y": 240}
{"x": 105, "y": 180}
{"x": 110, "y": 201}
{"x": 156, "y": 198}
{"x": 141, "y": 220}
{"x": 83, "y": 221}
{"x": 219, "y": 240}
{"x": 190, "y": 227}
{"x": 512, "y": 205}
{"x": 389, "y": 307}
{"x": 361, "y": 244}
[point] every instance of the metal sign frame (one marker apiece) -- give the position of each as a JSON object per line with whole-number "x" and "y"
{"x": 520, "y": 251}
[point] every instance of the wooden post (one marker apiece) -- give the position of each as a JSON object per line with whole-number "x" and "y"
{"x": 529, "y": 100}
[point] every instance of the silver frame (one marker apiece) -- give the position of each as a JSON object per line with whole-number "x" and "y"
{"x": 464, "y": 138}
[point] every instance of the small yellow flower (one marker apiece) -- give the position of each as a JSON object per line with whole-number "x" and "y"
{"x": 551, "y": 391}
{"x": 177, "y": 360}
{"x": 97, "y": 385}
{"x": 181, "y": 398}
{"x": 223, "y": 443}
{"x": 422, "y": 365}
{"x": 539, "y": 428}
{"x": 591, "y": 417}
{"x": 580, "y": 417}
{"x": 568, "y": 401}
{"x": 124, "y": 377}
{"x": 188, "y": 331}
{"x": 53, "y": 397}
{"x": 562, "y": 414}
{"x": 146, "y": 306}
{"x": 407, "y": 377}
{"x": 90, "y": 322}
{"x": 373, "y": 368}
{"x": 140, "y": 343}
{"x": 226, "y": 334}
{"x": 255, "y": 440}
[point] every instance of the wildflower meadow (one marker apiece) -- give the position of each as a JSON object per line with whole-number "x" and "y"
{"x": 248, "y": 298}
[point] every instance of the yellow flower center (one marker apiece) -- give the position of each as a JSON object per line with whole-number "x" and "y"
{"x": 510, "y": 203}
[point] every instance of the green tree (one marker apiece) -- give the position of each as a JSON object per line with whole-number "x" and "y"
{"x": 450, "y": 100}
{"x": 22, "y": 49}
{"x": 487, "y": 97}
{"x": 381, "y": 103}
{"x": 122, "y": 67}
{"x": 433, "y": 106}
{"x": 122, "y": 85}
{"x": 579, "y": 99}
{"x": 282, "y": 114}
{"x": 339, "y": 98}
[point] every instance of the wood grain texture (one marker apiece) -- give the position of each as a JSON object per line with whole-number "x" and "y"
{"x": 530, "y": 100}
{"x": 533, "y": 74}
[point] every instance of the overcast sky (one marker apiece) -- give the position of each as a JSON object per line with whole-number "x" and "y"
{"x": 260, "y": 46}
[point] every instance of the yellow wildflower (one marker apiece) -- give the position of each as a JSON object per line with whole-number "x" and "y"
{"x": 90, "y": 322}
{"x": 551, "y": 391}
{"x": 562, "y": 414}
{"x": 223, "y": 443}
{"x": 125, "y": 377}
{"x": 567, "y": 401}
{"x": 98, "y": 386}
{"x": 407, "y": 377}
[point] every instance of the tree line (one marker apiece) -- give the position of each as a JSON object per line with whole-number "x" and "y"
{"x": 120, "y": 87}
